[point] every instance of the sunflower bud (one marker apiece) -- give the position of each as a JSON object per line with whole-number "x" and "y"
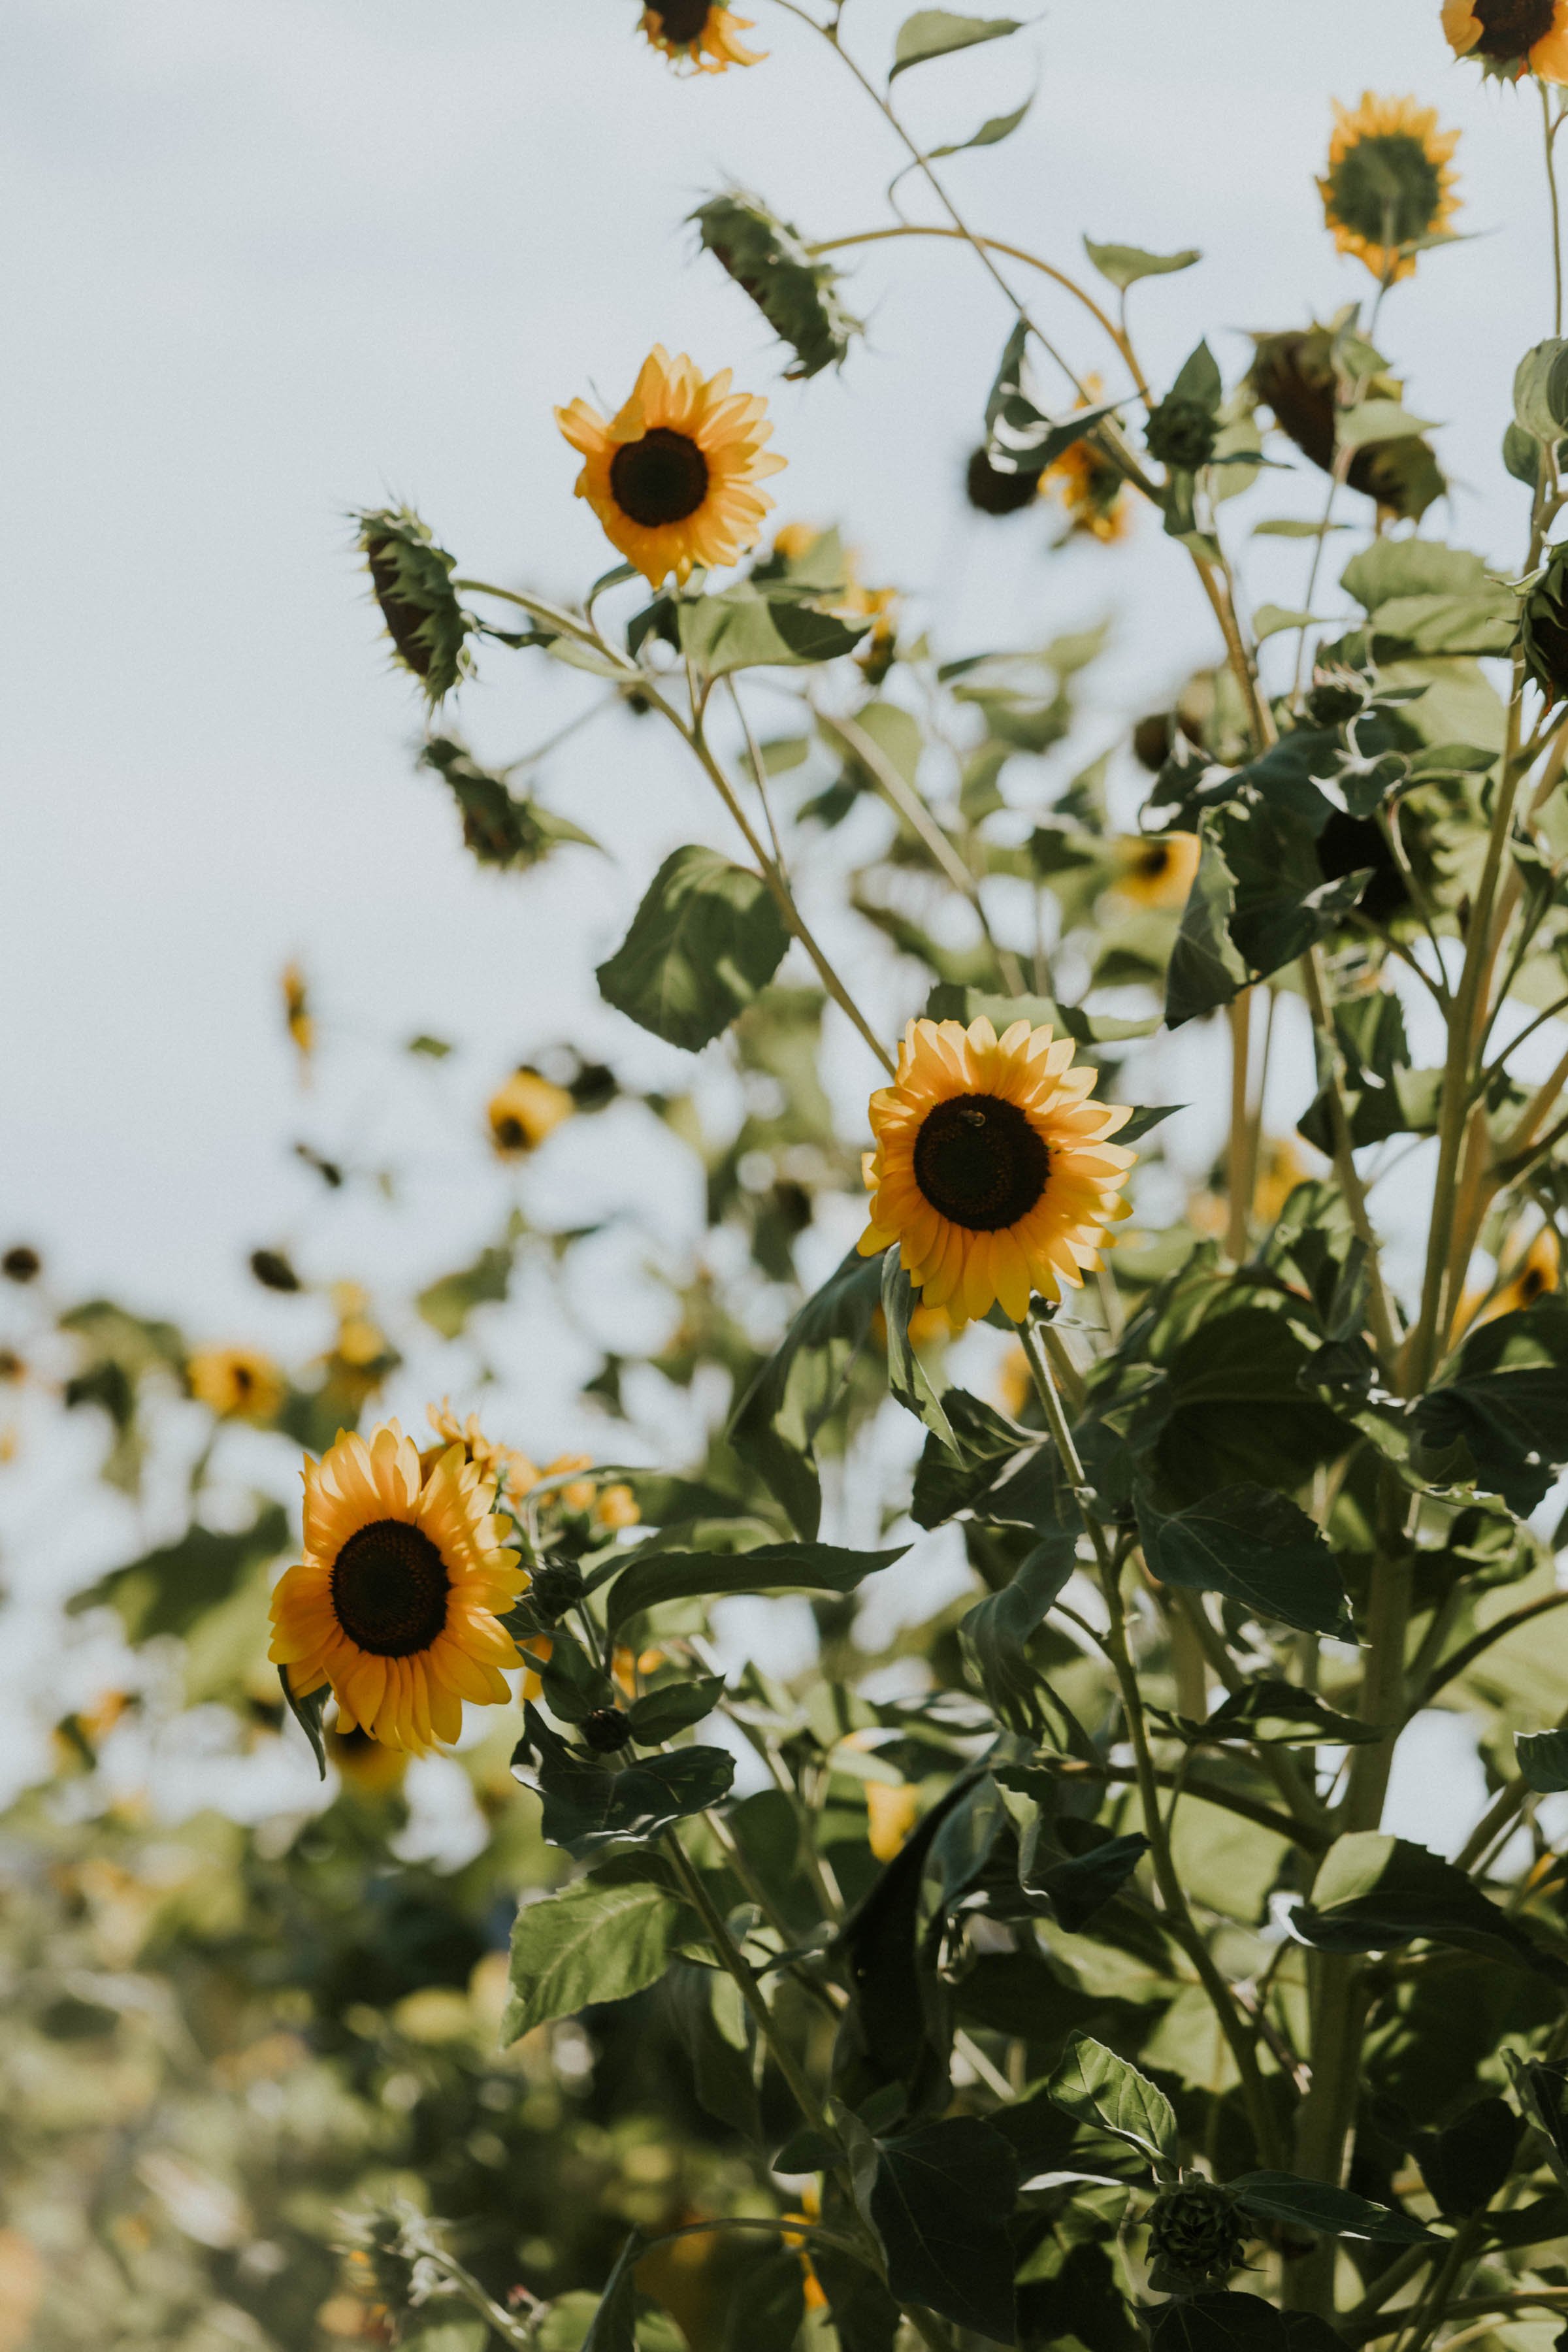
{"x": 606, "y": 1729}
{"x": 273, "y": 1271}
{"x": 768, "y": 260}
{"x": 1335, "y": 697}
{"x": 556, "y": 1587}
{"x": 1543, "y": 628}
{"x": 1195, "y": 2237}
{"x": 413, "y": 582}
{"x": 1181, "y": 434}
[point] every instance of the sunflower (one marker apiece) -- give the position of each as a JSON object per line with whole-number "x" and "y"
{"x": 398, "y": 1600}
{"x": 1389, "y": 182}
{"x": 700, "y": 35}
{"x": 524, "y": 1111}
{"x": 364, "y": 1763}
{"x": 1156, "y": 871}
{"x": 1088, "y": 485}
{"x": 1511, "y": 37}
{"x": 992, "y": 1170}
{"x": 298, "y": 1017}
{"x": 1536, "y": 1273}
{"x": 890, "y": 1815}
{"x": 673, "y": 478}
{"x": 236, "y": 1383}
{"x": 514, "y": 1473}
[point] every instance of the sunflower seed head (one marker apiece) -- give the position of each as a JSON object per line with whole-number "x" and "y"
{"x": 411, "y": 578}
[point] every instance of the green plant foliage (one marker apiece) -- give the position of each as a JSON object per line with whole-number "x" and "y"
{"x": 704, "y": 943}
{"x": 610, "y": 1935}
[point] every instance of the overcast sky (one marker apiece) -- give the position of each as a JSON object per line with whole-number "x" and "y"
{"x": 265, "y": 264}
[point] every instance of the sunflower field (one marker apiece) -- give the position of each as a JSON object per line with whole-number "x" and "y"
{"x": 1013, "y": 1790}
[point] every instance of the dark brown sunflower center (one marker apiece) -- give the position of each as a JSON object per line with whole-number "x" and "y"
{"x": 1511, "y": 28}
{"x": 661, "y": 479}
{"x": 510, "y": 1134}
{"x": 980, "y": 1163}
{"x": 1152, "y": 863}
{"x": 682, "y": 20}
{"x": 389, "y": 1589}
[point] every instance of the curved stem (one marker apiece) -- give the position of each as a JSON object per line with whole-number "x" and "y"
{"x": 1014, "y": 253}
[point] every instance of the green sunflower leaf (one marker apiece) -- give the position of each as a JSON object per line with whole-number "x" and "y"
{"x": 1124, "y": 265}
{"x": 1095, "y": 2086}
{"x": 1543, "y": 1761}
{"x": 308, "y": 1713}
{"x": 937, "y": 32}
{"x": 1373, "y": 1893}
{"x": 991, "y": 133}
{"x": 746, "y": 628}
{"x": 1332, "y": 2212}
{"x": 587, "y": 1805}
{"x": 776, "y": 1424}
{"x": 604, "y": 1937}
{"x": 1256, "y": 1547}
{"x": 703, "y": 945}
{"x": 658, "y": 1577}
{"x": 940, "y": 2198}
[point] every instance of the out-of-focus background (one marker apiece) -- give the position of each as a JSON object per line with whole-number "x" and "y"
{"x": 265, "y": 265}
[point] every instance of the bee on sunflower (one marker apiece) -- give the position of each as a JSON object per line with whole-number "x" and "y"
{"x": 1389, "y": 182}
{"x": 699, "y": 34}
{"x": 1511, "y": 37}
{"x": 1156, "y": 871}
{"x": 397, "y": 1603}
{"x": 992, "y": 1171}
{"x": 673, "y": 475}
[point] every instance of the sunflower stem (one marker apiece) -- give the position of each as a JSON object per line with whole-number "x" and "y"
{"x": 1178, "y": 1918}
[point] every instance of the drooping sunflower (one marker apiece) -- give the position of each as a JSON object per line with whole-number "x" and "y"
{"x": 992, "y": 1170}
{"x": 699, "y": 34}
{"x": 397, "y": 1601}
{"x": 236, "y": 1383}
{"x": 1390, "y": 182}
{"x": 524, "y": 1111}
{"x": 673, "y": 478}
{"x": 1156, "y": 869}
{"x": 1511, "y": 37}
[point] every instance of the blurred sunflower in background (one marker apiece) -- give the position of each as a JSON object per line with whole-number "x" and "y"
{"x": 1539, "y": 1271}
{"x": 700, "y": 34}
{"x": 1389, "y": 182}
{"x": 1156, "y": 869}
{"x": 1088, "y": 485}
{"x": 990, "y": 491}
{"x": 397, "y": 1601}
{"x": 673, "y": 477}
{"x": 236, "y": 1383}
{"x": 524, "y": 1111}
{"x": 298, "y": 1017}
{"x": 1511, "y": 37}
{"x": 992, "y": 1170}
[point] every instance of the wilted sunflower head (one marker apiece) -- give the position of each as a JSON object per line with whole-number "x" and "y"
{"x": 236, "y": 1383}
{"x": 699, "y": 34}
{"x": 525, "y": 1110}
{"x": 1293, "y": 374}
{"x": 797, "y": 293}
{"x": 1156, "y": 869}
{"x": 413, "y": 582}
{"x": 991, "y": 491}
{"x": 1389, "y": 182}
{"x": 673, "y": 477}
{"x": 398, "y": 1600}
{"x": 992, "y": 1171}
{"x": 1511, "y": 37}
